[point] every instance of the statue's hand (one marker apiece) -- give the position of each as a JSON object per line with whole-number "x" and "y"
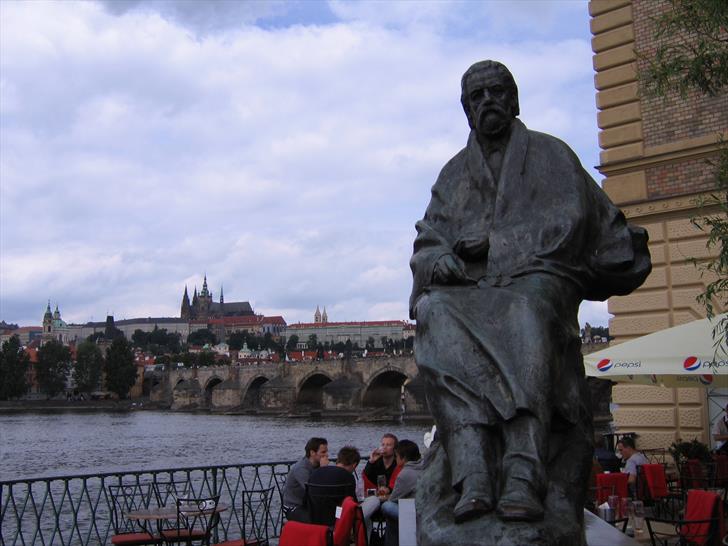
{"x": 472, "y": 247}
{"x": 449, "y": 270}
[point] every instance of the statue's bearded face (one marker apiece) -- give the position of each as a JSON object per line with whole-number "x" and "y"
{"x": 490, "y": 103}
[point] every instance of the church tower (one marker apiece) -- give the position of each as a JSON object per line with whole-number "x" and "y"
{"x": 47, "y": 322}
{"x": 317, "y": 316}
{"x": 205, "y": 301}
{"x": 185, "y": 311}
{"x": 324, "y": 316}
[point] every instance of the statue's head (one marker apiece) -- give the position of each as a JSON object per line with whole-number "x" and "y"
{"x": 489, "y": 97}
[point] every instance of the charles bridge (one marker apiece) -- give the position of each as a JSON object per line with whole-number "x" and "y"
{"x": 359, "y": 385}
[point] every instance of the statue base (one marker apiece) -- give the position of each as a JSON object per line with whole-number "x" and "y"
{"x": 562, "y": 525}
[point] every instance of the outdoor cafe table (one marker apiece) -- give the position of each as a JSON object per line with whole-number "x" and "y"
{"x": 165, "y": 513}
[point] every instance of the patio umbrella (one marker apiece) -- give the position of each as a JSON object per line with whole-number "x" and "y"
{"x": 682, "y": 356}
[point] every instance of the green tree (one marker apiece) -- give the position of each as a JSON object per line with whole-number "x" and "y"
{"x": 237, "y": 339}
{"x": 88, "y": 368}
{"x": 312, "y": 342}
{"x": 98, "y": 336}
{"x": 369, "y": 345}
{"x": 14, "y": 365}
{"x": 692, "y": 55}
{"x": 206, "y": 358}
{"x": 692, "y": 51}
{"x": 201, "y": 337}
{"x": 121, "y": 372}
{"x": 292, "y": 342}
{"x": 54, "y": 362}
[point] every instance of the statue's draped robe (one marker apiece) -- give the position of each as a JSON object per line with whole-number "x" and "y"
{"x": 507, "y": 340}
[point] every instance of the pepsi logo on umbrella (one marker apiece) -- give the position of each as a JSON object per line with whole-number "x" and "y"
{"x": 604, "y": 365}
{"x": 691, "y": 363}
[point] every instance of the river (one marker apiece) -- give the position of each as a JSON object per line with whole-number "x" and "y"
{"x": 56, "y": 443}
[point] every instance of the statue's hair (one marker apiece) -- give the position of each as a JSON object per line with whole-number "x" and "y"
{"x": 482, "y": 66}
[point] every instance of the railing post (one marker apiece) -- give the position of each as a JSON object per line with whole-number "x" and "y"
{"x": 214, "y": 493}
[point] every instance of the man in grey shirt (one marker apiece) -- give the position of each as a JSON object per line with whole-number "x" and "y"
{"x": 408, "y": 455}
{"x": 632, "y": 459}
{"x": 294, "y": 493}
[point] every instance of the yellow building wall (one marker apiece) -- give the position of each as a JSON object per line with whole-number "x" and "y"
{"x": 653, "y": 157}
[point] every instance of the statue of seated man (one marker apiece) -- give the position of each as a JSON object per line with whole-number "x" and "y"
{"x": 516, "y": 235}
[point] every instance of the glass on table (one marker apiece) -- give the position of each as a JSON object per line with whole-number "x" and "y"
{"x": 381, "y": 484}
{"x": 638, "y": 510}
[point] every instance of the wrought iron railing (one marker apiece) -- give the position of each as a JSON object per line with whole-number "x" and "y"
{"x": 75, "y": 510}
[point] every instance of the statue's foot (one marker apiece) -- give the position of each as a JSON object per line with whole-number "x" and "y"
{"x": 471, "y": 508}
{"x": 519, "y": 503}
{"x": 475, "y": 501}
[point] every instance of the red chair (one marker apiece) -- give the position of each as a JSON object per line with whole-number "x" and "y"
{"x": 652, "y": 488}
{"x": 296, "y": 533}
{"x": 349, "y": 527}
{"x": 721, "y": 470}
{"x": 703, "y": 523}
{"x": 613, "y": 483}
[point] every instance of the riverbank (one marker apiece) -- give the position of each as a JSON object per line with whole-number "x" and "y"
{"x": 23, "y": 406}
{"x": 83, "y": 406}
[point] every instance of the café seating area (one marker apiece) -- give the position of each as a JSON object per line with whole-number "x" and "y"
{"x": 667, "y": 505}
{"x": 173, "y": 513}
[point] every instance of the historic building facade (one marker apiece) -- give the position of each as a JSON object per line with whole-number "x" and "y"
{"x": 202, "y": 307}
{"x": 341, "y": 332}
{"x": 653, "y": 158}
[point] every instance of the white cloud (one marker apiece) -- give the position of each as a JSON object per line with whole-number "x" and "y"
{"x": 145, "y": 143}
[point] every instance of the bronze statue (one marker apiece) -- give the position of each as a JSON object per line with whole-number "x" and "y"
{"x": 516, "y": 235}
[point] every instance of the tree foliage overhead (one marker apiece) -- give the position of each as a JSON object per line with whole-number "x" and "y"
{"x": 14, "y": 365}
{"x": 121, "y": 372}
{"x": 692, "y": 55}
{"x": 54, "y": 362}
{"x": 692, "y": 51}
{"x": 88, "y": 368}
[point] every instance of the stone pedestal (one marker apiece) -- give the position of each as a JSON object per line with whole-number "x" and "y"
{"x": 562, "y": 525}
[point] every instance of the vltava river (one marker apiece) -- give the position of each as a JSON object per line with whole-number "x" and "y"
{"x": 63, "y": 442}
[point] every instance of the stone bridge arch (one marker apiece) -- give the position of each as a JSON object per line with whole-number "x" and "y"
{"x": 384, "y": 389}
{"x": 211, "y": 383}
{"x": 310, "y": 391}
{"x": 251, "y": 395}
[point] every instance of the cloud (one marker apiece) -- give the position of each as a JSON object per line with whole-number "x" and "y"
{"x": 285, "y": 151}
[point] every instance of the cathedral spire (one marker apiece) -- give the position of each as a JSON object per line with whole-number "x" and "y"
{"x": 185, "y": 308}
{"x": 317, "y": 315}
{"x": 324, "y": 316}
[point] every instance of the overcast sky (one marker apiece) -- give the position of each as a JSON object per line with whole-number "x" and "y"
{"x": 284, "y": 148}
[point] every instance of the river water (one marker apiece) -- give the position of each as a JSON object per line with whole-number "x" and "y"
{"x": 43, "y": 444}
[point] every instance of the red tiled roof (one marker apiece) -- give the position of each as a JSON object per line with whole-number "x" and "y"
{"x": 277, "y": 319}
{"x": 237, "y": 321}
{"x": 28, "y": 329}
{"x": 362, "y": 323}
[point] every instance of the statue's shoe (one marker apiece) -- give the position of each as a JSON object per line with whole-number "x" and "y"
{"x": 519, "y": 506}
{"x": 471, "y": 507}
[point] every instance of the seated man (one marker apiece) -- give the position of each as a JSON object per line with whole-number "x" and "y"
{"x": 322, "y": 508}
{"x": 408, "y": 457}
{"x": 381, "y": 461}
{"x": 294, "y": 493}
{"x": 632, "y": 459}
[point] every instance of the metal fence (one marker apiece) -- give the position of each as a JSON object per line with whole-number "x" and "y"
{"x": 76, "y": 510}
